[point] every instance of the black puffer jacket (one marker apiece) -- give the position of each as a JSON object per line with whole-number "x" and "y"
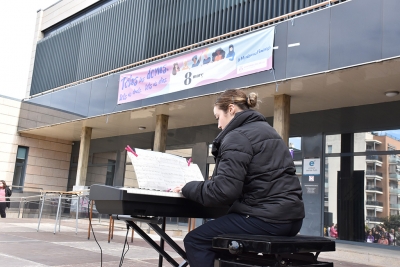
{"x": 254, "y": 172}
{"x": 8, "y": 195}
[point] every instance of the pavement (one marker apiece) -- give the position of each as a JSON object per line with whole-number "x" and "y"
{"x": 22, "y": 245}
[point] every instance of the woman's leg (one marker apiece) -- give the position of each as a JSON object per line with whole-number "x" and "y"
{"x": 198, "y": 243}
{"x": 3, "y": 209}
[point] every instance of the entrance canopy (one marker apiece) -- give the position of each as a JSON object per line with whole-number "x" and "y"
{"x": 345, "y": 88}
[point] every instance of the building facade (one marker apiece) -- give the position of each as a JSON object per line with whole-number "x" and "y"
{"x": 334, "y": 78}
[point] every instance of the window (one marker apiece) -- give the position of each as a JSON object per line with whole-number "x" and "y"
{"x": 19, "y": 169}
{"x": 110, "y": 172}
{"x": 329, "y": 149}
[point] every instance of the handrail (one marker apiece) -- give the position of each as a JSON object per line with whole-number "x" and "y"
{"x": 190, "y": 47}
{"x": 26, "y": 197}
{"x": 40, "y": 189}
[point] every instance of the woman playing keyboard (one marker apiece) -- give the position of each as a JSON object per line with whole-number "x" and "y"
{"x": 254, "y": 174}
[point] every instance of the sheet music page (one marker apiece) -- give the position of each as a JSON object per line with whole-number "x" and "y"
{"x": 147, "y": 171}
{"x": 193, "y": 173}
{"x": 161, "y": 171}
{"x": 171, "y": 168}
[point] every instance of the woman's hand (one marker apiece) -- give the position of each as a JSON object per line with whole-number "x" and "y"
{"x": 178, "y": 189}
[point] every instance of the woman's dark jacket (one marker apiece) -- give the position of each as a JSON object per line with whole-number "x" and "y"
{"x": 8, "y": 194}
{"x": 254, "y": 172}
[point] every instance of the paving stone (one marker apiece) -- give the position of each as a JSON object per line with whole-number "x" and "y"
{"x": 21, "y": 245}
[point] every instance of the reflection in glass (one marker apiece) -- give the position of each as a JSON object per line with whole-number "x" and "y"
{"x": 331, "y": 168}
{"x": 382, "y": 181}
{"x": 295, "y": 146}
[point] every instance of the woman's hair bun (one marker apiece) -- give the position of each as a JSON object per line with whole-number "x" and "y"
{"x": 252, "y": 100}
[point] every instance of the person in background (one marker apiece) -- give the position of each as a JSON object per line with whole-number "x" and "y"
{"x": 383, "y": 241}
{"x": 397, "y": 237}
{"x": 334, "y": 233}
{"x": 5, "y": 193}
{"x": 370, "y": 237}
{"x": 391, "y": 237}
{"x": 377, "y": 234}
{"x": 254, "y": 175}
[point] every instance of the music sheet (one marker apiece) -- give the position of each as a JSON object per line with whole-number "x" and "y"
{"x": 161, "y": 171}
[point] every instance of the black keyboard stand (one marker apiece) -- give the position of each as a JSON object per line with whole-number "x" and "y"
{"x": 153, "y": 222}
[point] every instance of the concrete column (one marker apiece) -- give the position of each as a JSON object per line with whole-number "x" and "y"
{"x": 160, "y": 136}
{"x": 282, "y": 116}
{"x": 83, "y": 159}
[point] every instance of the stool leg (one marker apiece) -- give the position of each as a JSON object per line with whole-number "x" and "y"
{"x": 90, "y": 218}
{"x": 109, "y": 229}
{"x": 112, "y": 229}
{"x": 132, "y": 235}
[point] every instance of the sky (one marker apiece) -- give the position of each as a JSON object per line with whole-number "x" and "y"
{"x": 17, "y": 26}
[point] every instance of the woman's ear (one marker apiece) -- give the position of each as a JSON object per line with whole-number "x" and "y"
{"x": 231, "y": 109}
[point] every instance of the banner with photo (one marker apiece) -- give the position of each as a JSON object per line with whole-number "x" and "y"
{"x": 225, "y": 60}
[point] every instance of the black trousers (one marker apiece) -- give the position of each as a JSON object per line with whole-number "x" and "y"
{"x": 3, "y": 209}
{"x": 198, "y": 243}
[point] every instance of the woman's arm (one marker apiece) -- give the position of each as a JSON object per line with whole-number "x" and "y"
{"x": 226, "y": 187}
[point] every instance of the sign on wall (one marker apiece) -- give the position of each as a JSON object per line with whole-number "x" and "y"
{"x": 312, "y": 167}
{"x": 226, "y": 60}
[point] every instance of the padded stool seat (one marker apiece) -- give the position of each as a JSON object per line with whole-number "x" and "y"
{"x": 256, "y": 250}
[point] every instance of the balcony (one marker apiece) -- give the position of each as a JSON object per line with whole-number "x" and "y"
{"x": 374, "y": 188}
{"x": 393, "y": 159}
{"x": 394, "y": 191}
{"x": 395, "y": 206}
{"x": 374, "y": 219}
{"x": 395, "y": 176}
{"x": 374, "y": 157}
{"x": 374, "y": 203}
{"x": 373, "y": 173}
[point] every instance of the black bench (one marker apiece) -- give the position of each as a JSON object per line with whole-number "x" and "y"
{"x": 265, "y": 251}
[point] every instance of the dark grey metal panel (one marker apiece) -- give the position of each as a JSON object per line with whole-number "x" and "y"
{"x": 82, "y": 99}
{"x": 111, "y": 97}
{"x": 97, "y": 97}
{"x": 41, "y": 100}
{"x": 346, "y": 120}
{"x": 356, "y": 33}
{"x": 391, "y": 29}
{"x": 130, "y": 105}
{"x": 176, "y": 95}
{"x": 280, "y": 54}
{"x": 64, "y": 99}
{"x": 312, "y": 33}
{"x": 202, "y": 90}
{"x": 132, "y": 30}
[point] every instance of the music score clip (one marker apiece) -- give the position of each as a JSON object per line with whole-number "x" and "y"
{"x": 189, "y": 161}
{"x": 129, "y": 149}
